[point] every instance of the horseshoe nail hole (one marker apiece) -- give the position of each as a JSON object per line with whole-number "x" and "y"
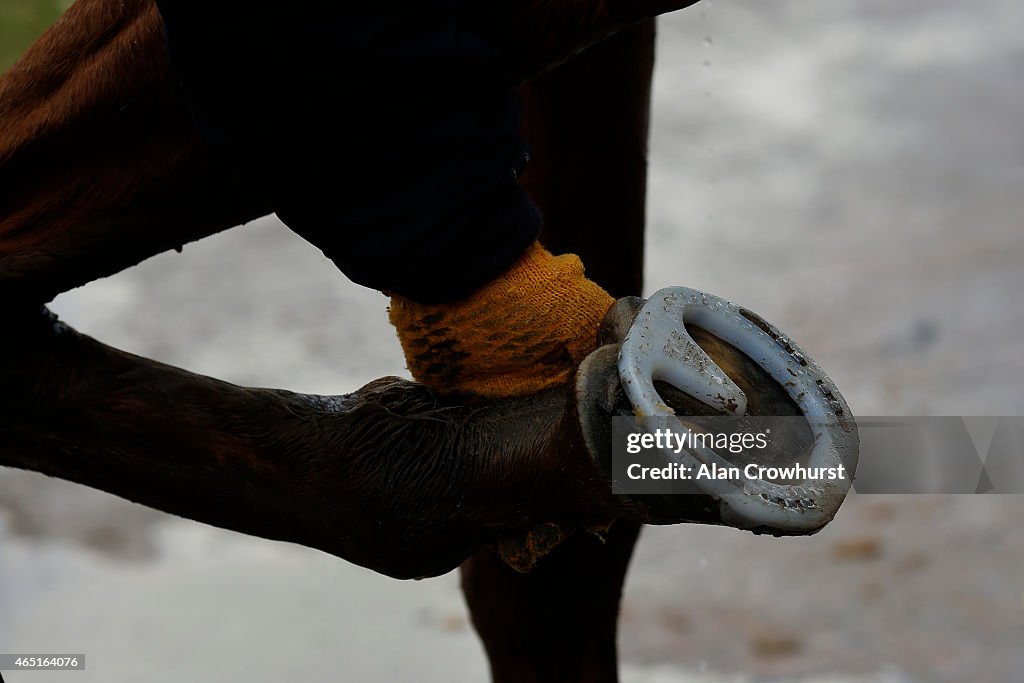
{"x": 782, "y": 341}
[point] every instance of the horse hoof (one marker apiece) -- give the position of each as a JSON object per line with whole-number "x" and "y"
{"x": 685, "y": 356}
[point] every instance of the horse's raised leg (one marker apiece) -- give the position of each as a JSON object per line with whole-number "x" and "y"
{"x": 588, "y": 122}
{"x": 100, "y": 164}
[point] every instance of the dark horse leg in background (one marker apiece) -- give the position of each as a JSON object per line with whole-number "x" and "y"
{"x": 588, "y": 122}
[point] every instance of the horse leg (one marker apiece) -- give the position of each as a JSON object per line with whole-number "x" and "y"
{"x": 100, "y": 164}
{"x": 588, "y": 121}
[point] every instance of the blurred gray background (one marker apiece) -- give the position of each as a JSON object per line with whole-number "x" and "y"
{"x": 853, "y": 171}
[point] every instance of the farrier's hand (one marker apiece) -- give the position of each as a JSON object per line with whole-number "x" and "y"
{"x": 525, "y": 331}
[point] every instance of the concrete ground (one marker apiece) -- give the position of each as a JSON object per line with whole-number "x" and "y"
{"x": 853, "y": 171}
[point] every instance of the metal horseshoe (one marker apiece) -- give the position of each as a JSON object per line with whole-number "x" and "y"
{"x": 658, "y": 347}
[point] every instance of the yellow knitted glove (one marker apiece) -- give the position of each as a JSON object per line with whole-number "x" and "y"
{"x": 525, "y": 331}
